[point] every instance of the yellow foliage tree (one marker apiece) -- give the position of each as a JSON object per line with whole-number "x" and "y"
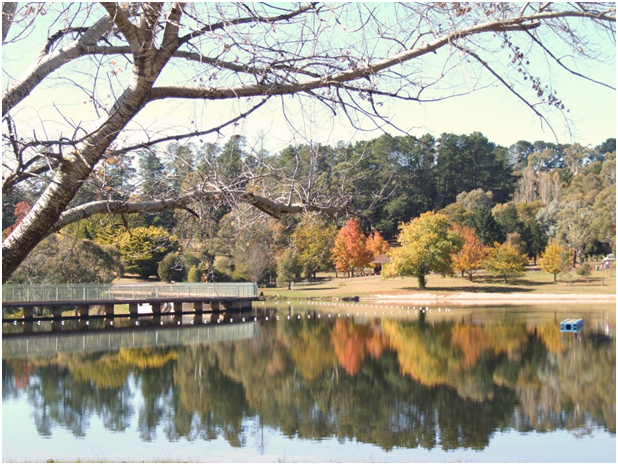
{"x": 505, "y": 261}
{"x": 313, "y": 240}
{"x": 555, "y": 259}
{"x": 427, "y": 245}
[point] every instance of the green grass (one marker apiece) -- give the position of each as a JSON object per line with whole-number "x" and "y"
{"x": 533, "y": 282}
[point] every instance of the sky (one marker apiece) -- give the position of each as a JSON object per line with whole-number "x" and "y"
{"x": 493, "y": 111}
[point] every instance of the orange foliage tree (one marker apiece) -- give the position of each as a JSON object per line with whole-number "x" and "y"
{"x": 469, "y": 259}
{"x": 352, "y": 343}
{"x": 350, "y": 250}
{"x": 377, "y": 245}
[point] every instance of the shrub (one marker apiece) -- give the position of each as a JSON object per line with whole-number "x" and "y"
{"x": 171, "y": 268}
{"x": 194, "y": 275}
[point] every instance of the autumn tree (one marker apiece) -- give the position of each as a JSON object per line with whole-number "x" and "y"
{"x": 505, "y": 261}
{"x": 427, "y": 246}
{"x": 21, "y": 210}
{"x": 120, "y": 63}
{"x": 555, "y": 259}
{"x": 350, "y": 249}
{"x": 470, "y": 258}
{"x": 376, "y": 244}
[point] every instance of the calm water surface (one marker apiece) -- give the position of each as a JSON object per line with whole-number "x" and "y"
{"x": 315, "y": 384}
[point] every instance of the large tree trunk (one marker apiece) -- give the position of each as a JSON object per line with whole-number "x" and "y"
{"x": 69, "y": 177}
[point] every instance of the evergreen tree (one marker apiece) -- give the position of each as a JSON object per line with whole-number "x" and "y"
{"x": 485, "y": 226}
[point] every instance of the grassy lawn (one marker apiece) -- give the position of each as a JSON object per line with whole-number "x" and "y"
{"x": 534, "y": 282}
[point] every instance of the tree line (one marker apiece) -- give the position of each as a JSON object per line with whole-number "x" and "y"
{"x": 528, "y": 195}
{"x": 76, "y": 112}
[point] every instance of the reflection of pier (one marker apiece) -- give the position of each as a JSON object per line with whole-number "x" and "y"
{"x": 160, "y": 298}
{"x": 114, "y": 339}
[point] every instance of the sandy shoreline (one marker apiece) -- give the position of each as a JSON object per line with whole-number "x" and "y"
{"x": 470, "y": 298}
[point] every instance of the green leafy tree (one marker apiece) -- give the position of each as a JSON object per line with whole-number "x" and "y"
{"x": 171, "y": 268}
{"x": 313, "y": 240}
{"x": 507, "y": 216}
{"x": 474, "y": 200}
{"x": 575, "y": 226}
{"x": 585, "y": 271}
{"x": 427, "y": 246}
{"x": 604, "y": 222}
{"x": 505, "y": 261}
{"x": 288, "y": 269}
{"x": 194, "y": 275}
{"x": 63, "y": 259}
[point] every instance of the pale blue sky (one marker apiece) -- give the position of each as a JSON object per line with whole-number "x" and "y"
{"x": 492, "y": 111}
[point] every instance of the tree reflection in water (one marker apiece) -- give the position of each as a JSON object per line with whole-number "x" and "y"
{"x": 386, "y": 382}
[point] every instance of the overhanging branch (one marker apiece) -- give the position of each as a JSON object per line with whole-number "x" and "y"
{"x": 112, "y": 207}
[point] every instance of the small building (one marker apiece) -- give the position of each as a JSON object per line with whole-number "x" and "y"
{"x": 572, "y": 325}
{"x": 378, "y": 262}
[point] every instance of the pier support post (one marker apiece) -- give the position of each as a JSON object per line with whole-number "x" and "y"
{"x": 109, "y": 310}
{"x": 82, "y": 310}
{"x": 133, "y": 309}
{"x": 177, "y": 308}
{"x": 56, "y": 312}
{"x": 156, "y": 308}
{"x": 215, "y": 305}
{"x": 197, "y": 307}
{"x": 28, "y": 313}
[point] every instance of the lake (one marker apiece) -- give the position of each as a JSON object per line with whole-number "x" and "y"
{"x": 325, "y": 382}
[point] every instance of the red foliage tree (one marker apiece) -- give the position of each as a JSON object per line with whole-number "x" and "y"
{"x": 21, "y": 210}
{"x": 350, "y": 251}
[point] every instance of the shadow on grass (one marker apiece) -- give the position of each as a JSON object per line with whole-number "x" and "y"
{"x": 471, "y": 289}
{"x": 299, "y": 288}
{"x": 489, "y": 285}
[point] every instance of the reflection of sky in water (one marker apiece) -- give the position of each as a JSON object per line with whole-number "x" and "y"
{"x": 24, "y": 443}
{"x": 21, "y": 441}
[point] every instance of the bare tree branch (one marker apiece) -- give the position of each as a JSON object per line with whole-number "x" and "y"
{"x": 8, "y": 11}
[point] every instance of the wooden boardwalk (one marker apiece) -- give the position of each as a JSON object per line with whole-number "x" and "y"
{"x": 203, "y": 297}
